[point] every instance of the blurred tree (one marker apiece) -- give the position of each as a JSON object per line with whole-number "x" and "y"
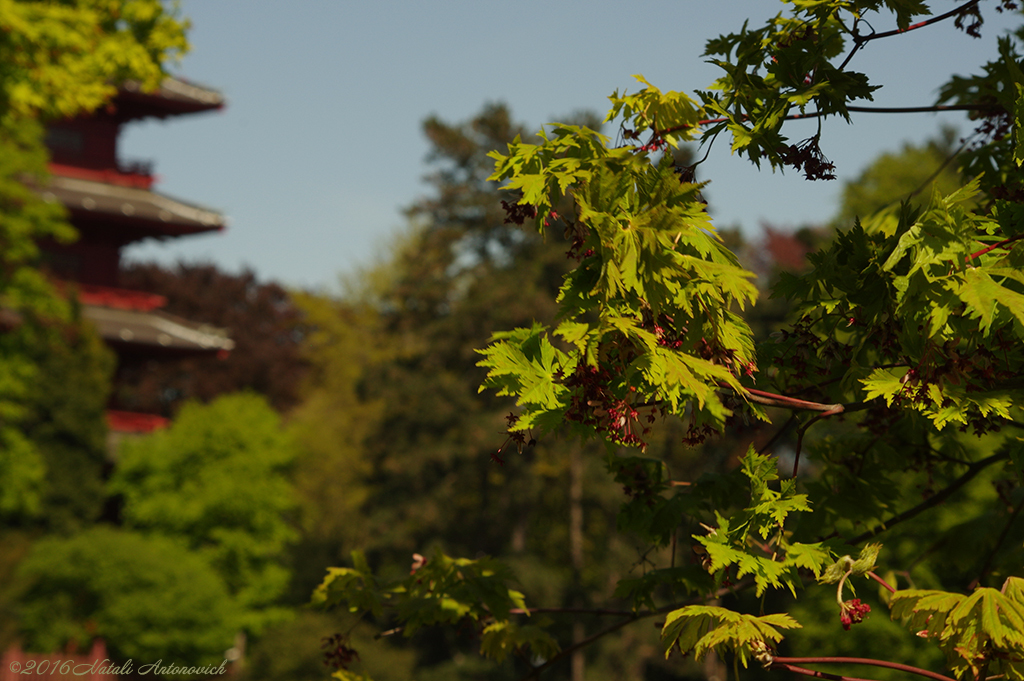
{"x": 330, "y": 428}
{"x": 148, "y": 597}
{"x": 59, "y": 59}
{"x": 259, "y": 316}
{"x": 913, "y": 171}
{"x": 216, "y": 480}
{"x": 403, "y": 439}
{"x": 65, "y": 419}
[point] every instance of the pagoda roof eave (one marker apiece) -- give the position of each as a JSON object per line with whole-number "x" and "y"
{"x": 156, "y": 330}
{"x": 175, "y": 96}
{"x": 150, "y": 213}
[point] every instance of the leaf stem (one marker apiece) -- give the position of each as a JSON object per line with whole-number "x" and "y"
{"x": 881, "y": 581}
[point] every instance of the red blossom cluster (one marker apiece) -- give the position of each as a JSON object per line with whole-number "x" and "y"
{"x": 976, "y": 369}
{"x": 337, "y": 654}
{"x": 853, "y": 612}
{"x": 594, "y": 405}
{"x": 518, "y": 212}
{"x": 807, "y": 157}
{"x": 577, "y": 235}
{"x": 516, "y": 436}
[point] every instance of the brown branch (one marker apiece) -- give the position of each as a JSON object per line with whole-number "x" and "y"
{"x": 913, "y": 27}
{"x": 633, "y": 617}
{"x": 1001, "y": 244}
{"x": 933, "y": 500}
{"x": 778, "y": 434}
{"x": 775, "y": 666}
{"x": 856, "y": 109}
{"x": 999, "y": 544}
{"x": 800, "y": 439}
{"x": 862, "y": 660}
{"x": 773, "y": 400}
{"x": 574, "y": 611}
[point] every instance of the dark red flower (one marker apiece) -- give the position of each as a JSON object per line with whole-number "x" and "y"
{"x": 853, "y": 612}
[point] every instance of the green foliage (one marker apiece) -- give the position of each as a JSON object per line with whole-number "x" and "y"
{"x": 66, "y": 421}
{"x": 910, "y": 322}
{"x": 739, "y": 539}
{"x": 441, "y": 590}
{"x": 148, "y": 597}
{"x": 911, "y": 172}
{"x": 978, "y": 633}
{"x": 216, "y": 480}
{"x": 62, "y": 59}
{"x": 701, "y": 629}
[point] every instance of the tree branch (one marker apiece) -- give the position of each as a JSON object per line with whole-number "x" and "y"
{"x": 861, "y": 660}
{"x": 935, "y": 108}
{"x": 778, "y": 435}
{"x": 574, "y": 611}
{"x": 933, "y": 500}
{"x": 775, "y": 666}
{"x": 633, "y": 617}
{"x": 1001, "y": 244}
{"x": 913, "y": 27}
{"x": 999, "y": 543}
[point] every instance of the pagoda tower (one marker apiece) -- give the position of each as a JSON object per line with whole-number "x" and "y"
{"x": 112, "y": 204}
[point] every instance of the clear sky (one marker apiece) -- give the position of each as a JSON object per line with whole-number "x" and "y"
{"x": 319, "y": 147}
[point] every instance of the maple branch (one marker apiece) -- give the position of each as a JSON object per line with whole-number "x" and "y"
{"x": 775, "y": 666}
{"x": 1001, "y": 244}
{"x": 861, "y": 39}
{"x": 934, "y": 108}
{"x": 933, "y": 500}
{"x": 861, "y": 660}
{"x": 773, "y": 400}
{"x": 999, "y": 544}
{"x": 633, "y": 617}
{"x": 800, "y": 440}
{"x": 574, "y": 611}
{"x": 781, "y": 431}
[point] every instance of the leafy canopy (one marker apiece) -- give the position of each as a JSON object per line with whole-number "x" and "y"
{"x": 909, "y": 327}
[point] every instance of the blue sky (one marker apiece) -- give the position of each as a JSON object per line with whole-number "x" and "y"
{"x": 319, "y": 147}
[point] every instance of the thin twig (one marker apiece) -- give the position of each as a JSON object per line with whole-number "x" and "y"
{"x": 999, "y": 543}
{"x": 933, "y": 500}
{"x": 921, "y": 24}
{"x": 634, "y": 617}
{"x": 778, "y": 435}
{"x": 775, "y": 666}
{"x": 800, "y": 438}
{"x": 774, "y": 400}
{"x": 865, "y": 661}
{"x": 856, "y": 109}
{"x": 573, "y": 611}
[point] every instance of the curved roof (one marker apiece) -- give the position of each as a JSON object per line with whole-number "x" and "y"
{"x": 175, "y": 96}
{"x": 156, "y": 330}
{"x": 145, "y": 212}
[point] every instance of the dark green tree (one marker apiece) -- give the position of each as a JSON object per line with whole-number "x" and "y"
{"x": 260, "y": 318}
